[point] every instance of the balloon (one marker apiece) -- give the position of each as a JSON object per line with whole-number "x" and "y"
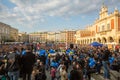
{"x": 54, "y": 64}
{"x": 23, "y": 52}
{"x": 71, "y": 58}
{"x": 51, "y": 51}
{"x": 111, "y": 60}
{"x": 92, "y": 62}
{"x": 68, "y": 51}
{"x": 91, "y": 59}
{"x": 42, "y": 52}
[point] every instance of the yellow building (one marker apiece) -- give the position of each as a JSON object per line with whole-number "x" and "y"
{"x": 70, "y": 37}
{"x": 34, "y": 37}
{"x": 81, "y": 36}
{"x": 8, "y": 33}
{"x": 13, "y": 34}
{"x": 23, "y": 37}
{"x": 43, "y": 37}
{"x": 106, "y": 29}
{"x": 62, "y": 36}
{"x": 51, "y": 36}
{"x": 4, "y": 32}
{"x": 38, "y": 37}
{"x": 66, "y": 36}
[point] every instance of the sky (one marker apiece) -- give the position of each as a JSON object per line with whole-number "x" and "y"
{"x": 52, "y": 15}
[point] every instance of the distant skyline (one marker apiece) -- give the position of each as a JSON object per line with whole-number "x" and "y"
{"x": 52, "y": 15}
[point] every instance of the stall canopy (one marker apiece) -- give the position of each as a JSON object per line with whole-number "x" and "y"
{"x": 96, "y": 44}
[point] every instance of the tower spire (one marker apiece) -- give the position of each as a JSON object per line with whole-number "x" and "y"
{"x": 103, "y": 11}
{"x": 103, "y": 4}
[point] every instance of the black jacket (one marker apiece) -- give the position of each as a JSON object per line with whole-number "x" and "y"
{"x": 76, "y": 75}
{"x": 105, "y": 56}
{"x": 28, "y": 61}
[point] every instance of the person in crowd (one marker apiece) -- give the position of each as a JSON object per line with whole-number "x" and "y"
{"x": 59, "y": 69}
{"x": 66, "y": 63}
{"x": 28, "y": 61}
{"x": 98, "y": 62}
{"x": 53, "y": 73}
{"x": 2, "y": 67}
{"x": 63, "y": 73}
{"x": 105, "y": 62}
{"x": 118, "y": 61}
{"x": 76, "y": 73}
{"x": 40, "y": 74}
{"x": 13, "y": 65}
{"x": 41, "y": 67}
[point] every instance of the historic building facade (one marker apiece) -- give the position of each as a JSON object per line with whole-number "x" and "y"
{"x": 34, "y": 37}
{"x": 70, "y": 37}
{"x": 13, "y": 34}
{"x": 38, "y": 37}
{"x": 65, "y": 36}
{"x": 106, "y": 29}
{"x": 23, "y": 37}
{"x": 8, "y": 33}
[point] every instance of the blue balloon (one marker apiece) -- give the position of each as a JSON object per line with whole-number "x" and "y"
{"x": 111, "y": 60}
{"x": 47, "y": 61}
{"x": 68, "y": 51}
{"x": 91, "y": 59}
{"x": 54, "y": 64}
{"x": 92, "y": 62}
{"x": 51, "y": 51}
{"x": 71, "y": 58}
{"x": 42, "y": 52}
{"x": 23, "y": 52}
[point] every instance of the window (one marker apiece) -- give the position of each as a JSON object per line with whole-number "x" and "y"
{"x": 103, "y": 28}
{"x": 108, "y": 26}
{"x": 98, "y": 29}
{"x": 3, "y": 30}
{"x": 6, "y": 31}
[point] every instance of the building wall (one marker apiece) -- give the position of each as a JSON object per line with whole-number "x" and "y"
{"x": 14, "y": 34}
{"x": 51, "y": 36}
{"x": 70, "y": 37}
{"x": 104, "y": 30}
{"x": 23, "y": 37}
{"x": 34, "y": 37}
{"x": 63, "y": 36}
{"x": 6, "y": 32}
{"x": 59, "y": 37}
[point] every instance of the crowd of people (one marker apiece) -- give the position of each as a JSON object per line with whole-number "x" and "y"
{"x": 32, "y": 62}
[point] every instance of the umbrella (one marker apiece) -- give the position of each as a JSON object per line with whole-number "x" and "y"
{"x": 96, "y": 44}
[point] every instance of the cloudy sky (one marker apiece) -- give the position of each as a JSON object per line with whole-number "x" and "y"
{"x": 52, "y": 15}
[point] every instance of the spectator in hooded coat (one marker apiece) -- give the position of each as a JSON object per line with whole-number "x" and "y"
{"x": 28, "y": 61}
